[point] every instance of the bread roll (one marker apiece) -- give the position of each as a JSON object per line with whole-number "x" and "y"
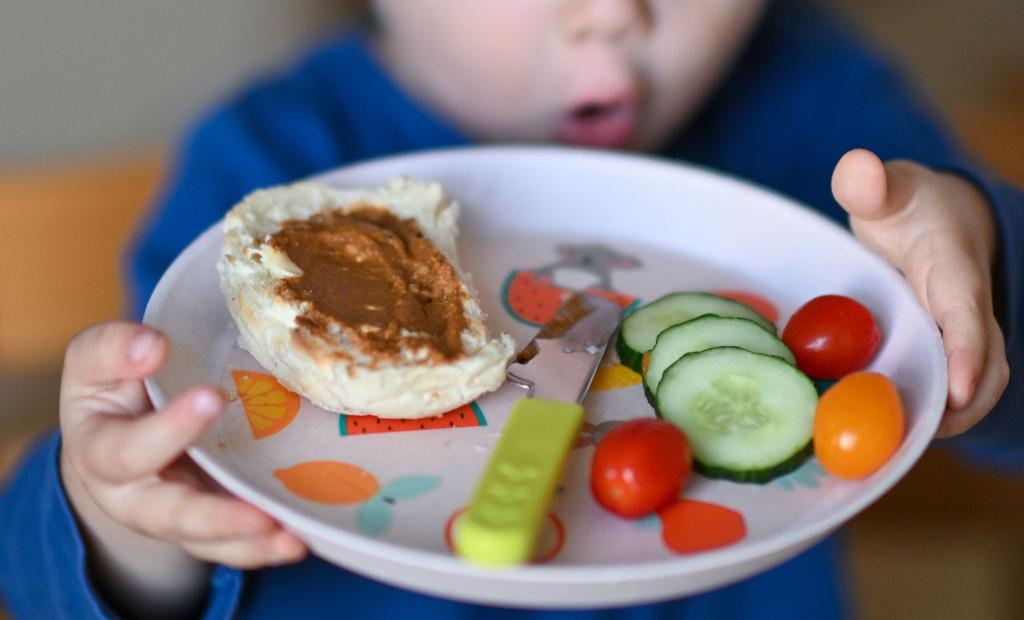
{"x": 348, "y": 365}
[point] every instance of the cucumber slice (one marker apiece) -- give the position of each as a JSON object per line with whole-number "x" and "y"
{"x": 749, "y": 416}
{"x": 706, "y": 332}
{"x": 641, "y": 328}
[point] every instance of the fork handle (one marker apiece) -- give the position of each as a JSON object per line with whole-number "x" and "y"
{"x": 500, "y": 526}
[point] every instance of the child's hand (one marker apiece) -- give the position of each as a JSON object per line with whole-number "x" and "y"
{"x": 126, "y": 473}
{"x": 937, "y": 229}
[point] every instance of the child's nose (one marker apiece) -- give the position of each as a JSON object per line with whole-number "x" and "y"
{"x": 605, "y": 20}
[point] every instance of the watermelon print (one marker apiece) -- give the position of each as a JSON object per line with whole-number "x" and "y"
{"x": 462, "y": 417}
{"x": 532, "y": 296}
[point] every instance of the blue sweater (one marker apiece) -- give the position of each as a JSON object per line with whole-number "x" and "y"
{"x": 804, "y": 92}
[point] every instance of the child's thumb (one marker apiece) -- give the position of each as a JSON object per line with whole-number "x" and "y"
{"x": 870, "y": 190}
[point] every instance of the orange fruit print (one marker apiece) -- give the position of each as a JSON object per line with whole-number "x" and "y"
{"x": 267, "y": 404}
{"x": 329, "y": 482}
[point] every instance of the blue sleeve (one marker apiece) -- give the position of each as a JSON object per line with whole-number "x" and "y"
{"x": 271, "y": 133}
{"x": 43, "y": 568}
{"x": 224, "y": 157}
{"x": 881, "y": 112}
{"x": 276, "y": 131}
{"x": 806, "y": 91}
{"x": 888, "y": 118}
{"x": 998, "y": 440}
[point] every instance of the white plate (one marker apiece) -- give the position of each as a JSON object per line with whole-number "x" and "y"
{"x": 381, "y": 505}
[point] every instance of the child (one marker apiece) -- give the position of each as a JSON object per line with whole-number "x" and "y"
{"x": 110, "y": 516}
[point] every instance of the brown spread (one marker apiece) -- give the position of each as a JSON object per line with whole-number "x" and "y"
{"x": 378, "y": 278}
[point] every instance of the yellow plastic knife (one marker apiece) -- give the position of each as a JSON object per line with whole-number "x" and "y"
{"x": 500, "y": 525}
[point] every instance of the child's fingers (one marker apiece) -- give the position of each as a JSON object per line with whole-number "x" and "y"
{"x": 993, "y": 382}
{"x": 109, "y": 353}
{"x": 958, "y": 299}
{"x": 966, "y": 344}
{"x": 180, "y": 513}
{"x": 279, "y": 547}
{"x": 121, "y": 449}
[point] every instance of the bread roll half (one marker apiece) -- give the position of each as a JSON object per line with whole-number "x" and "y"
{"x": 335, "y": 363}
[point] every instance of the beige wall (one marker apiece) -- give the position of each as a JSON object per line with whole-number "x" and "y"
{"x": 87, "y": 77}
{"x": 960, "y": 50}
{"x": 81, "y": 76}
{"x": 94, "y": 75}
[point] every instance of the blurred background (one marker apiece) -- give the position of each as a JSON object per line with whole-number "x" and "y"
{"x": 95, "y": 94}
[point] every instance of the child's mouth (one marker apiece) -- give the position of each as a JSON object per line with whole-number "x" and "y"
{"x": 606, "y": 125}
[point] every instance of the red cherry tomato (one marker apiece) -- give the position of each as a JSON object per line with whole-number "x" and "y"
{"x": 831, "y": 336}
{"x": 858, "y": 425}
{"x": 640, "y": 466}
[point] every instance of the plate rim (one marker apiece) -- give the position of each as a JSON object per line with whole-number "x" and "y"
{"x": 553, "y": 573}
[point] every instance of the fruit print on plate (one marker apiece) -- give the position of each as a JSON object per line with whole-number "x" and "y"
{"x": 460, "y": 417}
{"x": 531, "y": 231}
{"x": 338, "y": 483}
{"x": 533, "y": 295}
{"x": 268, "y": 405}
{"x": 452, "y": 448}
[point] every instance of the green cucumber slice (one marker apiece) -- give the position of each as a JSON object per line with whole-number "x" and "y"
{"x": 706, "y": 332}
{"x": 749, "y": 417}
{"x": 641, "y": 328}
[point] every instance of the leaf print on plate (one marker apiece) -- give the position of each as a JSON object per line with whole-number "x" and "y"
{"x": 810, "y": 476}
{"x": 268, "y": 405}
{"x": 650, "y": 522}
{"x": 374, "y": 517}
{"x": 329, "y": 482}
{"x": 409, "y": 487}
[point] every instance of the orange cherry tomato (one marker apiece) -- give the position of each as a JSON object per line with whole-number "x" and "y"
{"x": 858, "y": 425}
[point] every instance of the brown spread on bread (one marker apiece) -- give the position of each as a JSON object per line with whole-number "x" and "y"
{"x": 376, "y": 277}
